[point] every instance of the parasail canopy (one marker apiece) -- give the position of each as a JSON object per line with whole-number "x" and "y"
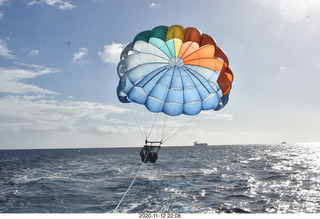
{"x": 174, "y": 70}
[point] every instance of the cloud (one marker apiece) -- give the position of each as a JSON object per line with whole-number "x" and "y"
{"x": 60, "y": 4}
{"x": 154, "y": 5}
{"x": 209, "y": 114}
{"x": 79, "y": 55}
{"x": 12, "y": 79}
{"x": 225, "y": 116}
{"x": 41, "y": 113}
{"x": 34, "y": 52}
{"x": 111, "y": 53}
{"x": 2, "y": 2}
{"x": 29, "y": 108}
{"x": 4, "y": 51}
{"x": 293, "y": 10}
{"x": 105, "y": 129}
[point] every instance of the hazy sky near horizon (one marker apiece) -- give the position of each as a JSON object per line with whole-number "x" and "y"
{"x": 58, "y": 73}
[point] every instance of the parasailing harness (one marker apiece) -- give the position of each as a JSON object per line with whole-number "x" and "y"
{"x": 149, "y": 151}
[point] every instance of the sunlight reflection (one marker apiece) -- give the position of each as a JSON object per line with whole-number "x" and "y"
{"x": 293, "y": 10}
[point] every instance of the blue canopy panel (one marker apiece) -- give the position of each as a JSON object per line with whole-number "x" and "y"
{"x": 145, "y": 85}
{"x": 208, "y": 95}
{"x": 158, "y": 96}
{"x": 208, "y": 74}
{"x": 172, "y": 90}
{"x": 223, "y": 102}
{"x": 122, "y": 96}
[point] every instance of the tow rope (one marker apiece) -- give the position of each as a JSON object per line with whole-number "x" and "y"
{"x": 115, "y": 210}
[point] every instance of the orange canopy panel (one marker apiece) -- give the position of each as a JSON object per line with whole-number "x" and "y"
{"x": 220, "y": 54}
{"x": 225, "y": 79}
{"x": 206, "y": 39}
{"x": 211, "y": 63}
{"x": 188, "y": 48}
{"x": 203, "y": 52}
{"x": 192, "y": 34}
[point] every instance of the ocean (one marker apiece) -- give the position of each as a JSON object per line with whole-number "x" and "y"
{"x": 213, "y": 179}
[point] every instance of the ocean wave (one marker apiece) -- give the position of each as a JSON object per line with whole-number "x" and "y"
{"x": 224, "y": 179}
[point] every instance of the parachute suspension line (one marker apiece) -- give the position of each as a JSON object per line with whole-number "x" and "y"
{"x": 170, "y": 126}
{"x": 163, "y": 127}
{"x": 116, "y": 209}
{"x": 187, "y": 125}
{"x": 136, "y": 118}
{"x": 154, "y": 120}
{"x": 183, "y": 127}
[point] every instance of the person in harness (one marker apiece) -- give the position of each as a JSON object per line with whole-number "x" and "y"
{"x": 149, "y": 153}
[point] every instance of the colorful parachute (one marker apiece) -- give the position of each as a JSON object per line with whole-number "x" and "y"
{"x": 174, "y": 70}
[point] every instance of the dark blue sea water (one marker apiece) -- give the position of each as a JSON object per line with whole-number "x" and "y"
{"x": 215, "y": 179}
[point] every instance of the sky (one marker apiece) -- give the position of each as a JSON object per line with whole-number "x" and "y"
{"x": 58, "y": 70}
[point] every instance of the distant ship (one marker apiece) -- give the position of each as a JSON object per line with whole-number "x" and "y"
{"x": 200, "y": 144}
{"x": 283, "y": 142}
